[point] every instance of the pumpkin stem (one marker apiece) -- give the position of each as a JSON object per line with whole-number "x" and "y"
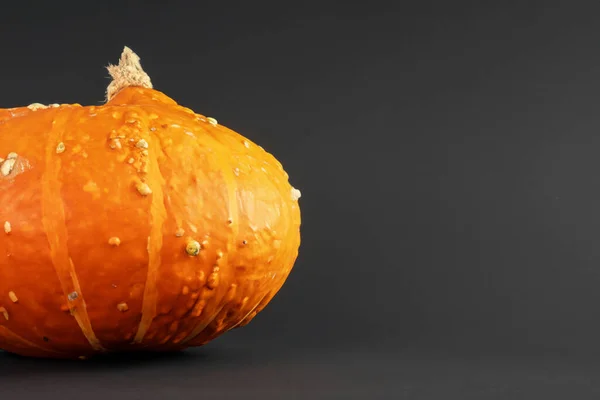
{"x": 129, "y": 72}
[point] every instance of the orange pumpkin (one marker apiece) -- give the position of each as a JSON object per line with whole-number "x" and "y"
{"x": 135, "y": 225}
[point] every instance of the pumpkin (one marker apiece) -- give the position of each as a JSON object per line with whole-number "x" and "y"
{"x": 137, "y": 224}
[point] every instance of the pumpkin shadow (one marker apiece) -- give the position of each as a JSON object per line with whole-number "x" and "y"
{"x": 13, "y": 365}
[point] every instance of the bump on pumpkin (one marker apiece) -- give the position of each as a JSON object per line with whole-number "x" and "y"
{"x": 296, "y": 194}
{"x": 7, "y": 166}
{"x": 13, "y": 297}
{"x": 193, "y": 248}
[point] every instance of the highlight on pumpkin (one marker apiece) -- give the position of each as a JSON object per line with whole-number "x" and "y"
{"x": 161, "y": 229}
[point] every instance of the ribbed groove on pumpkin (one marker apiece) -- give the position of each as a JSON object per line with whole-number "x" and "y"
{"x": 158, "y": 215}
{"x": 54, "y": 222}
{"x": 202, "y": 326}
{"x": 290, "y": 219}
{"x": 12, "y": 336}
{"x": 232, "y": 212}
{"x": 248, "y": 313}
{"x": 231, "y": 184}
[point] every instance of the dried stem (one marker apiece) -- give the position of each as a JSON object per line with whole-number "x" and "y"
{"x": 129, "y": 72}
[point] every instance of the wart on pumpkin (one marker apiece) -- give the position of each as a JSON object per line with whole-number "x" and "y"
{"x": 193, "y": 248}
{"x": 7, "y": 166}
{"x": 143, "y": 188}
{"x": 13, "y": 297}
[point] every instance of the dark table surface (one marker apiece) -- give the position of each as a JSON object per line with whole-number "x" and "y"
{"x": 226, "y": 370}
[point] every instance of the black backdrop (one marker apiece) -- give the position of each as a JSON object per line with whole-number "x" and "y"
{"x": 447, "y": 155}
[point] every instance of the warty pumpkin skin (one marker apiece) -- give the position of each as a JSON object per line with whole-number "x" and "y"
{"x": 135, "y": 225}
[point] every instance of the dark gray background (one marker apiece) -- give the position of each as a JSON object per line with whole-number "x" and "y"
{"x": 448, "y": 156}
